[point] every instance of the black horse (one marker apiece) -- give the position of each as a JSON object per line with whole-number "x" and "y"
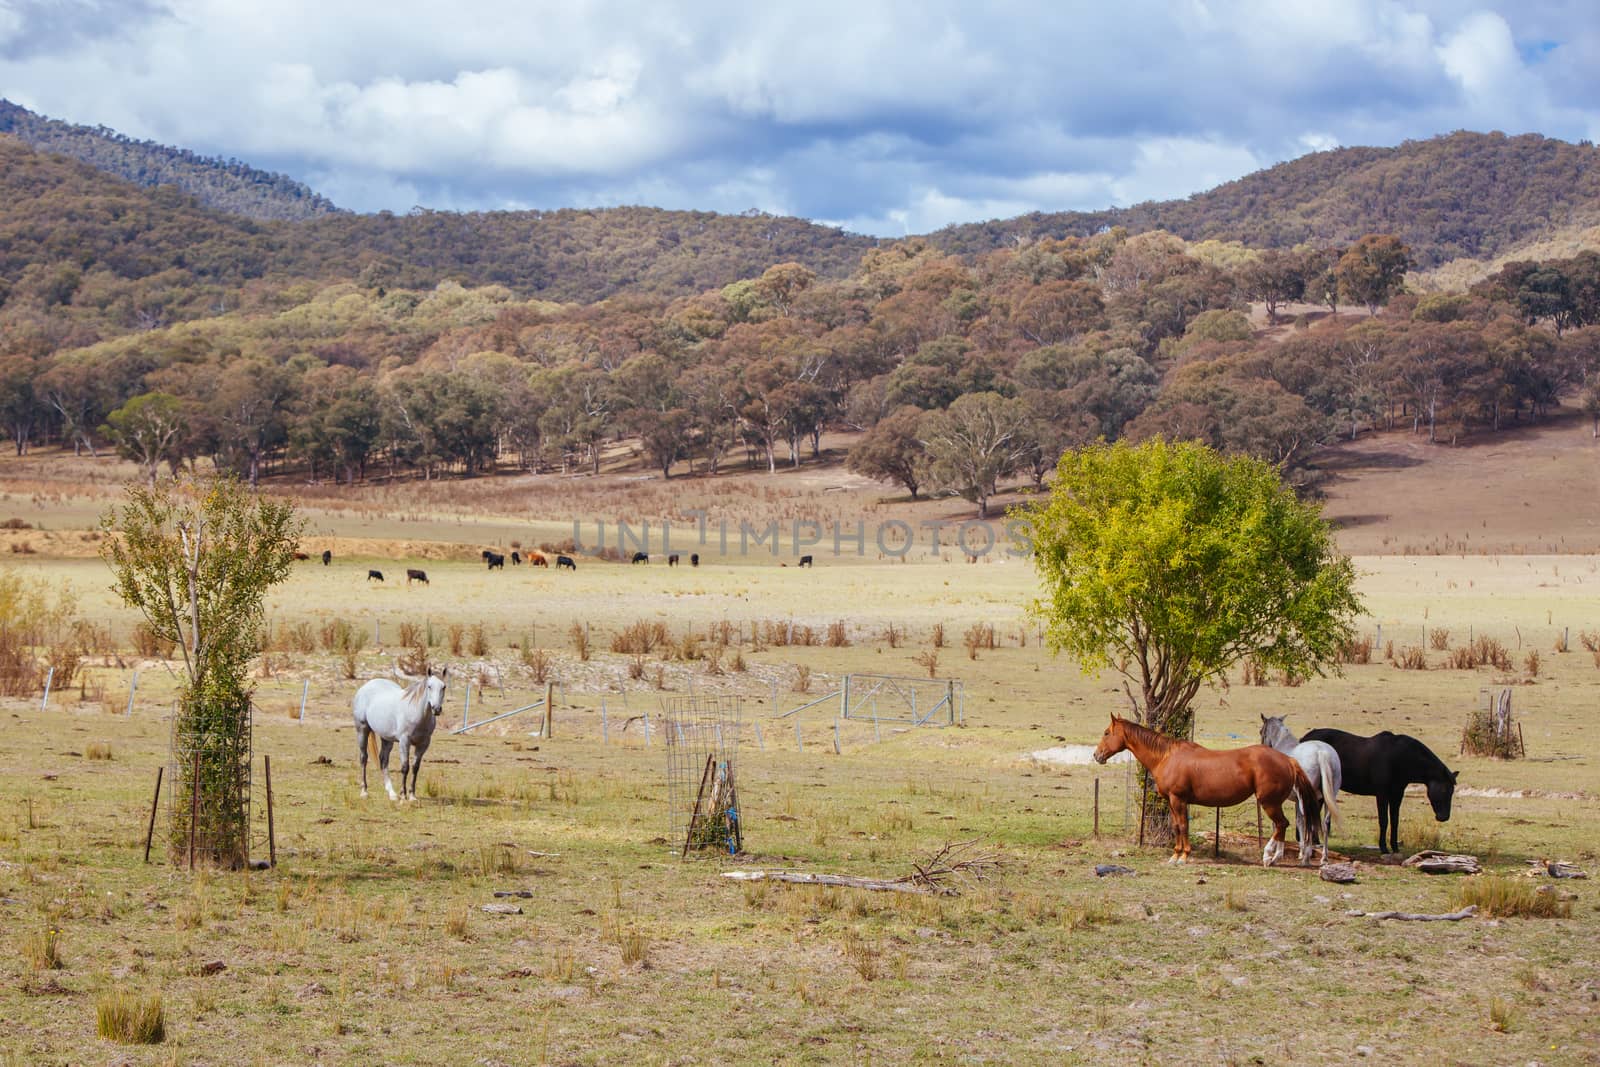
{"x": 1382, "y": 766}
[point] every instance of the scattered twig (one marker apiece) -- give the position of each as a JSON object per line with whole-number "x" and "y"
{"x": 929, "y": 876}
{"x": 893, "y": 885}
{"x": 1411, "y": 916}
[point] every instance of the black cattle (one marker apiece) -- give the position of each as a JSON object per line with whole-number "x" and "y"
{"x": 694, "y": 560}
{"x": 805, "y": 561}
{"x": 672, "y": 560}
{"x": 327, "y": 557}
{"x": 516, "y": 559}
{"x": 495, "y": 560}
{"x": 374, "y": 574}
{"x": 641, "y": 557}
{"x": 413, "y": 575}
{"x": 565, "y": 561}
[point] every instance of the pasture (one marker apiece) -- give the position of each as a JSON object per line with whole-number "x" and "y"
{"x": 367, "y": 942}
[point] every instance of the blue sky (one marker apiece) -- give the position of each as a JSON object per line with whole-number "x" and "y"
{"x": 883, "y": 117}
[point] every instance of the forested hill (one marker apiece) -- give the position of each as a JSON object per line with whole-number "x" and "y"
{"x": 1465, "y": 195}
{"x": 225, "y": 184}
{"x": 64, "y": 224}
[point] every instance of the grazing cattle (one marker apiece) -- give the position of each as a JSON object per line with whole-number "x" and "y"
{"x": 536, "y": 559}
{"x": 672, "y": 560}
{"x": 495, "y": 560}
{"x": 694, "y": 559}
{"x": 805, "y": 561}
{"x": 413, "y": 575}
{"x": 565, "y": 561}
{"x": 301, "y": 556}
{"x": 641, "y": 557}
{"x": 327, "y": 557}
{"x": 374, "y": 575}
{"x": 516, "y": 559}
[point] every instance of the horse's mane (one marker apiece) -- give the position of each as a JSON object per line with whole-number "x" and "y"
{"x": 415, "y": 691}
{"x": 1426, "y": 755}
{"x": 1154, "y": 738}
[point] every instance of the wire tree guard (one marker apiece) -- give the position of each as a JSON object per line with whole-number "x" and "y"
{"x": 208, "y": 796}
{"x": 702, "y": 744}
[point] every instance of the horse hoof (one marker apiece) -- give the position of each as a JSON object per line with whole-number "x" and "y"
{"x": 363, "y": 794}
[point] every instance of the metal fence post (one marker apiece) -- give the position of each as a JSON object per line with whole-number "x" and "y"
{"x": 304, "y": 693}
{"x": 133, "y": 688}
{"x": 49, "y": 677}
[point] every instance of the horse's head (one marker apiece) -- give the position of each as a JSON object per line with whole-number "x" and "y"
{"x": 1271, "y": 727}
{"x": 1111, "y": 742}
{"x": 433, "y": 692}
{"x": 1441, "y": 791}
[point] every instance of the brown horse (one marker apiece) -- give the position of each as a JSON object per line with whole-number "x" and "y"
{"x": 1186, "y": 773}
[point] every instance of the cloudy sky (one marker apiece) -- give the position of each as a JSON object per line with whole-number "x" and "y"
{"x": 882, "y": 116}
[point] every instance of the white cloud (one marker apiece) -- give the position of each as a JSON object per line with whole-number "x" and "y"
{"x": 892, "y": 116}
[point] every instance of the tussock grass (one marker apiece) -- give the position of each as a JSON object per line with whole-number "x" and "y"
{"x": 1503, "y": 897}
{"x": 97, "y": 750}
{"x": 41, "y": 949}
{"x": 130, "y": 1018}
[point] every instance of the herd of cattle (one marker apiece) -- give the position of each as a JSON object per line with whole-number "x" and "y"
{"x": 497, "y": 561}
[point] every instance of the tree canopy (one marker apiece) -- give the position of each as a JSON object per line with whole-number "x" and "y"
{"x": 1171, "y": 563}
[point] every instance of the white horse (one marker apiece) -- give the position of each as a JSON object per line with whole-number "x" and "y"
{"x": 405, "y": 715}
{"x": 1321, "y": 764}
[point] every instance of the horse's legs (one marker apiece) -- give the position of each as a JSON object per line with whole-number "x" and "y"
{"x": 405, "y": 766}
{"x": 1180, "y": 830}
{"x": 1383, "y": 823}
{"x": 363, "y": 731}
{"x": 416, "y": 765}
{"x": 1301, "y": 830}
{"x": 1274, "y": 848}
{"x": 1394, "y": 819}
{"x": 383, "y": 765}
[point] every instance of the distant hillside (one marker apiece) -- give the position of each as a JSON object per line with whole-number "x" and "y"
{"x": 225, "y": 184}
{"x": 58, "y": 215}
{"x": 1465, "y": 195}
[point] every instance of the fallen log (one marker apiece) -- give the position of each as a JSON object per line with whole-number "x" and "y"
{"x": 892, "y": 885}
{"x": 1411, "y": 916}
{"x": 1430, "y": 861}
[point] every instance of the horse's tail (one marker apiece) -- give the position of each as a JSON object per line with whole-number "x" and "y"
{"x": 372, "y": 744}
{"x": 1305, "y": 792}
{"x": 1330, "y": 789}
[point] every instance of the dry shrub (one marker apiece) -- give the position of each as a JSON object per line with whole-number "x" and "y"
{"x": 479, "y": 643}
{"x": 937, "y": 636}
{"x": 802, "y": 679}
{"x": 1388, "y": 651}
{"x": 640, "y": 638}
{"x": 538, "y": 662}
{"x": 1253, "y": 672}
{"x": 1492, "y": 652}
{"x": 980, "y": 635}
{"x": 658, "y": 677}
{"x": 130, "y": 1018}
{"x": 414, "y": 661}
{"x": 893, "y": 635}
{"x": 1412, "y": 658}
{"x": 1439, "y": 638}
{"x": 22, "y": 548}
{"x": 579, "y": 635}
{"x": 688, "y": 648}
{"x": 837, "y": 635}
{"x": 1356, "y": 650}
{"x": 16, "y": 524}
{"x": 737, "y": 663}
{"x": 714, "y": 661}
{"x": 1589, "y": 641}
{"x": 775, "y": 633}
{"x": 1532, "y": 663}
{"x": 930, "y": 660}
{"x": 151, "y": 645}
{"x": 805, "y": 636}
{"x": 19, "y": 673}
{"x": 1483, "y": 737}
{"x": 1562, "y": 644}
{"x": 410, "y": 634}
{"x": 63, "y": 660}
{"x": 636, "y": 665}
{"x": 1461, "y": 659}
{"x": 1289, "y": 679}
{"x": 723, "y": 633}
{"x": 458, "y": 636}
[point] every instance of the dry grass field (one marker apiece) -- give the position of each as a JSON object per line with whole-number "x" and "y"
{"x": 368, "y": 942}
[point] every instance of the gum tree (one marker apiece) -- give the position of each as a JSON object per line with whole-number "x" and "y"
{"x": 197, "y": 559}
{"x": 1171, "y": 563}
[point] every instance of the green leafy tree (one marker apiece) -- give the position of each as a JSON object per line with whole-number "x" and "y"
{"x": 1373, "y": 270}
{"x": 975, "y": 442}
{"x": 891, "y": 452}
{"x": 148, "y": 429}
{"x": 1171, "y": 563}
{"x": 197, "y": 560}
